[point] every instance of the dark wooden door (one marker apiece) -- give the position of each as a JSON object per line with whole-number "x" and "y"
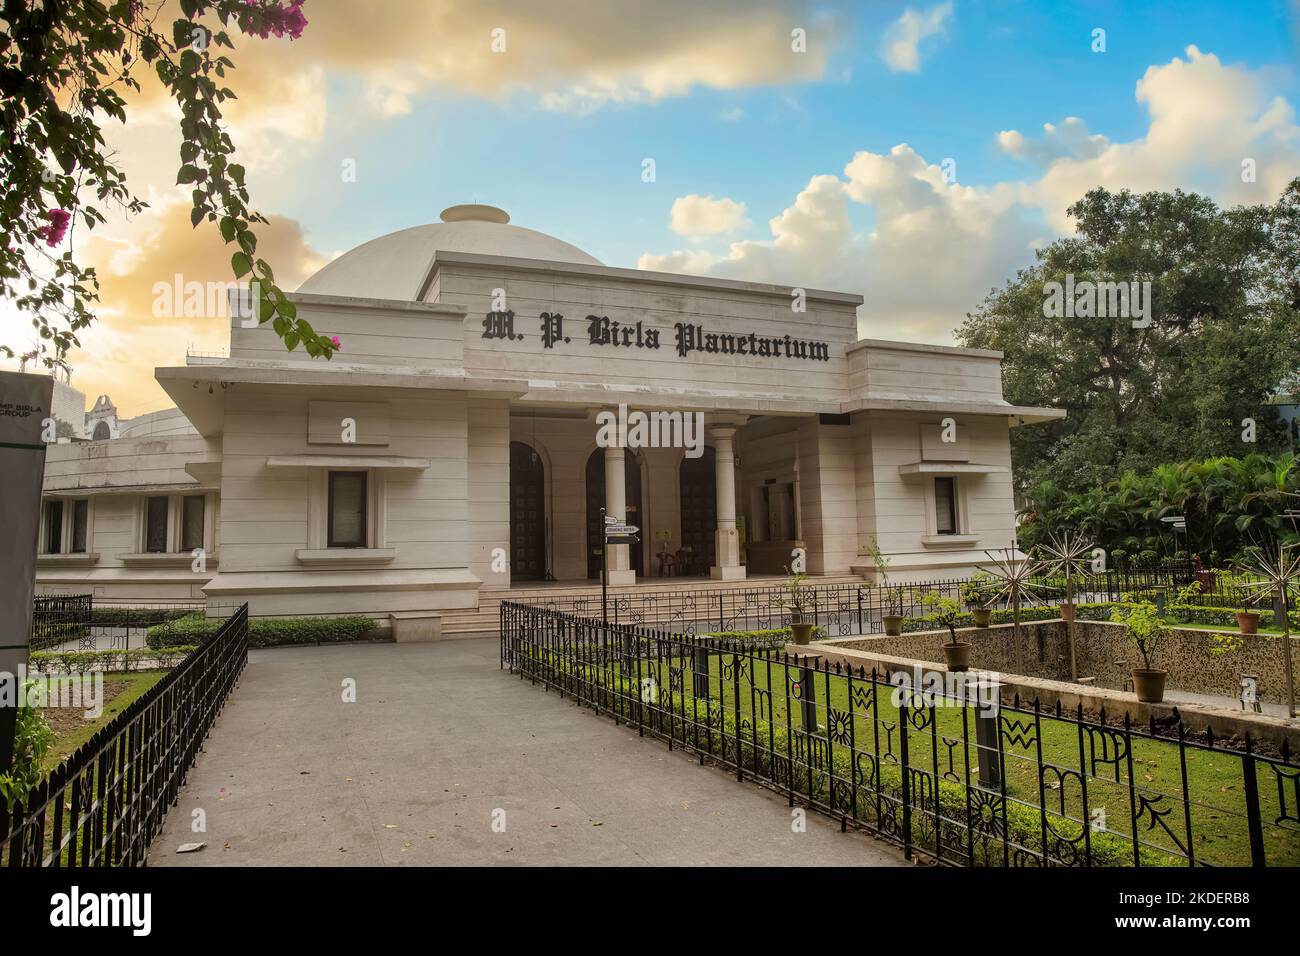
{"x": 596, "y": 501}
{"x": 698, "y": 487}
{"x": 527, "y": 514}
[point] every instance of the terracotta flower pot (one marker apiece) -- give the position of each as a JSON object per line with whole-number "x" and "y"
{"x": 1149, "y": 685}
{"x": 957, "y": 656}
{"x": 1247, "y": 622}
{"x": 893, "y": 624}
{"x": 1067, "y": 612}
{"x": 802, "y": 632}
{"x": 981, "y": 616}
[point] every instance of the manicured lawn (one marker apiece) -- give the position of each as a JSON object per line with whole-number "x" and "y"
{"x": 72, "y": 729}
{"x": 1071, "y": 758}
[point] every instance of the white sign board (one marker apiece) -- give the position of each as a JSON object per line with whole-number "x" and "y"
{"x": 24, "y": 407}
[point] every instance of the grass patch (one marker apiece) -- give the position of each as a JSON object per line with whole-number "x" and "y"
{"x": 71, "y": 729}
{"x": 760, "y": 697}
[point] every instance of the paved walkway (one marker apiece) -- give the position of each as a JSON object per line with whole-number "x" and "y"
{"x": 438, "y": 740}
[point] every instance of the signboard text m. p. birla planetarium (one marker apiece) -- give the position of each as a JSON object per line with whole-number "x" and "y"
{"x": 688, "y": 337}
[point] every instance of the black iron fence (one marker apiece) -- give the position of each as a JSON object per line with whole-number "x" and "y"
{"x": 839, "y": 609}
{"x": 76, "y": 623}
{"x": 105, "y": 803}
{"x": 60, "y": 619}
{"x": 951, "y": 772}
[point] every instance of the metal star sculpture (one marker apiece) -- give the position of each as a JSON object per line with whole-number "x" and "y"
{"x": 1277, "y": 575}
{"x": 1011, "y": 583}
{"x": 1068, "y": 555}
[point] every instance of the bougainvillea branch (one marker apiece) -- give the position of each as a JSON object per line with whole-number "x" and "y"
{"x": 64, "y": 65}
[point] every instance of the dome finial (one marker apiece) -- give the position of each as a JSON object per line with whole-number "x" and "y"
{"x": 475, "y": 212}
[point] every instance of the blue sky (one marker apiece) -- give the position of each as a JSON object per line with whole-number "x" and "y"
{"x": 1001, "y": 65}
{"x": 771, "y": 165}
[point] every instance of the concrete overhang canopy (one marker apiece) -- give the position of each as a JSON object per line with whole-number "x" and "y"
{"x": 387, "y": 462}
{"x": 1017, "y": 414}
{"x": 951, "y": 468}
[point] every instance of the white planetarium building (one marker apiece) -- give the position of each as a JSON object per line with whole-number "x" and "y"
{"x": 449, "y": 453}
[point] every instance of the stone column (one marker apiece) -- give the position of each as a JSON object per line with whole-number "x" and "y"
{"x": 617, "y": 556}
{"x": 726, "y": 539}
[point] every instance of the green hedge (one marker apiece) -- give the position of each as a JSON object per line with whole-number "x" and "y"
{"x": 80, "y": 662}
{"x": 1083, "y": 612}
{"x": 136, "y": 616}
{"x": 1186, "y": 614}
{"x": 773, "y": 637}
{"x": 264, "y": 632}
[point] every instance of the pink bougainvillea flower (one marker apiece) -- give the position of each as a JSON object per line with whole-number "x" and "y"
{"x": 336, "y": 343}
{"x": 58, "y": 227}
{"x": 277, "y": 20}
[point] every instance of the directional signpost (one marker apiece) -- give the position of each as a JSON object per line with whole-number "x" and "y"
{"x": 616, "y": 532}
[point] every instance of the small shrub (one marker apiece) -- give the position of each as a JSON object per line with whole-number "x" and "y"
{"x": 32, "y": 741}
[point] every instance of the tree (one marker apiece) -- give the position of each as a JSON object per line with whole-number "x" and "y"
{"x": 1224, "y": 333}
{"x": 64, "y": 66}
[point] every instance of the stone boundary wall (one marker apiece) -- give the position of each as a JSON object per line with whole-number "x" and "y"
{"x": 1104, "y": 652}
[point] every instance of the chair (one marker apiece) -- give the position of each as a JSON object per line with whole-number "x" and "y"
{"x": 667, "y": 564}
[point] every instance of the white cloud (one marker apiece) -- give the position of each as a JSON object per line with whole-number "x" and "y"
{"x": 698, "y": 216}
{"x": 935, "y": 249}
{"x": 1070, "y": 139}
{"x": 733, "y": 115}
{"x": 900, "y": 48}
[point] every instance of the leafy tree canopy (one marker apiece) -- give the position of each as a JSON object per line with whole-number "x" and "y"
{"x": 65, "y": 66}
{"x": 1224, "y": 335}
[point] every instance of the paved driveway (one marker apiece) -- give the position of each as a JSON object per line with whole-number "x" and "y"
{"x": 438, "y": 744}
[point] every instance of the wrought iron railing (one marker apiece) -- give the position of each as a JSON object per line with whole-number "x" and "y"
{"x": 60, "y": 618}
{"x": 105, "y": 803}
{"x": 957, "y": 775}
{"x": 839, "y": 609}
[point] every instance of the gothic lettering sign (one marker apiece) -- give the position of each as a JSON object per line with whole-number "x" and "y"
{"x": 687, "y": 337}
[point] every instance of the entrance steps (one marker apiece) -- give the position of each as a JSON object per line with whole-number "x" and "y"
{"x": 485, "y": 620}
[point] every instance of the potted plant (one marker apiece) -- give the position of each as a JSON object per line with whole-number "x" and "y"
{"x": 974, "y": 593}
{"x": 1247, "y": 621}
{"x": 894, "y": 603}
{"x": 797, "y": 597}
{"x": 956, "y": 654}
{"x": 1145, "y": 628}
{"x": 893, "y": 618}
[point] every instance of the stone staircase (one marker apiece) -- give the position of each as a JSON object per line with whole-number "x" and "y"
{"x": 484, "y": 621}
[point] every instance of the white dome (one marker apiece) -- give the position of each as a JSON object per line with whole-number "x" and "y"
{"x": 393, "y": 266}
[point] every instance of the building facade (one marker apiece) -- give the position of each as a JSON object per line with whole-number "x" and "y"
{"x": 454, "y": 445}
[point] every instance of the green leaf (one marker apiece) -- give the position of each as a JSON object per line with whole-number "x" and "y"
{"x": 241, "y": 264}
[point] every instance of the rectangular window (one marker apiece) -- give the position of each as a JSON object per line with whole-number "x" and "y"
{"x": 347, "y": 509}
{"x": 945, "y": 505}
{"x": 53, "y": 527}
{"x": 155, "y": 525}
{"x": 192, "y": 523}
{"x": 80, "y": 519}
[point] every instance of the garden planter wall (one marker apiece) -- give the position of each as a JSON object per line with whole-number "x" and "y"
{"x": 1099, "y": 646}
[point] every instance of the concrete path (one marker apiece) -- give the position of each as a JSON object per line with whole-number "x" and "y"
{"x": 437, "y": 741}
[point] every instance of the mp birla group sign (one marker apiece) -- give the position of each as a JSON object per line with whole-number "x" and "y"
{"x": 24, "y": 411}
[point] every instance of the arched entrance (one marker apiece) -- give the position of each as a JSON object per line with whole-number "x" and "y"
{"x": 698, "y": 490}
{"x": 527, "y": 514}
{"x": 596, "y": 501}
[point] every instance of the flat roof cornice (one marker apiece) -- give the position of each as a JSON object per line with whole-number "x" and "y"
{"x": 890, "y": 345}
{"x": 635, "y": 275}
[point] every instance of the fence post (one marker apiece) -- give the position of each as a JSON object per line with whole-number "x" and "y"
{"x": 1251, "y": 787}
{"x": 808, "y": 695}
{"x": 986, "y": 734}
{"x": 700, "y": 678}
